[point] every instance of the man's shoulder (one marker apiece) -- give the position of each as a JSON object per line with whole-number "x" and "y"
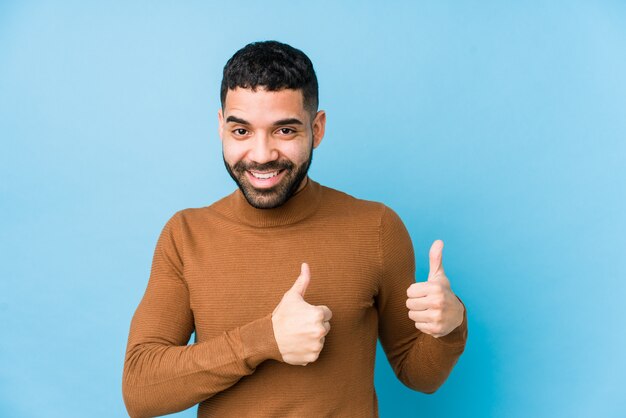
{"x": 201, "y": 214}
{"x": 351, "y": 206}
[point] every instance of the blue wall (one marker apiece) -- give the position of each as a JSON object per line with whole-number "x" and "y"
{"x": 497, "y": 126}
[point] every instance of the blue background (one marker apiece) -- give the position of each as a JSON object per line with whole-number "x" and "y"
{"x": 497, "y": 126}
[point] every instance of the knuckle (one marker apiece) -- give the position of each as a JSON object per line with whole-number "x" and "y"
{"x": 319, "y": 315}
{"x": 319, "y": 333}
{"x": 427, "y": 328}
{"x": 437, "y": 317}
{"x": 409, "y": 290}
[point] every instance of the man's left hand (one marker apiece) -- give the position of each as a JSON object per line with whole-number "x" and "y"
{"x": 433, "y": 306}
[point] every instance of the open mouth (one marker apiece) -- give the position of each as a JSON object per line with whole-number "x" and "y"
{"x": 264, "y": 176}
{"x": 265, "y": 179}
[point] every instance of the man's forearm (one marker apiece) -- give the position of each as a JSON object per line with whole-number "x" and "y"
{"x": 430, "y": 360}
{"x": 160, "y": 378}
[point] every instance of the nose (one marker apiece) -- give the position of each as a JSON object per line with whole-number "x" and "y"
{"x": 263, "y": 149}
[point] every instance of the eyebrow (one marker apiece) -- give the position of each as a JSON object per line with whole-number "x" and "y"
{"x": 235, "y": 119}
{"x": 288, "y": 121}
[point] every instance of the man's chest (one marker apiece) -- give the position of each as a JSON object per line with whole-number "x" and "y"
{"x": 242, "y": 276}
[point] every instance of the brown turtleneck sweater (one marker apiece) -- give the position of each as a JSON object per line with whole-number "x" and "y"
{"x": 221, "y": 270}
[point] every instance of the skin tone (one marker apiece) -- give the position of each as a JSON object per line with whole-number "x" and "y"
{"x": 267, "y": 142}
{"x": 300, "y": 328}
{"x": 432, "y": 305}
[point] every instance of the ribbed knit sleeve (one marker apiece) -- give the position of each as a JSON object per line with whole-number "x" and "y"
{"x": 420, "y": 361}
{"x": 162, "y": 374}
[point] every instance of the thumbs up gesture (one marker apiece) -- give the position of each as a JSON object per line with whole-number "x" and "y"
{"x": 432, "y": 305}
{"x": 300, "y": 328}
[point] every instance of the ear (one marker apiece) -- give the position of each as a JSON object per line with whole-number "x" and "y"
{"x": 220, "y": 120}
{"x": 319, "y": 127}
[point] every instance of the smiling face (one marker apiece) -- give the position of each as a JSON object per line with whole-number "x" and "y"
{"x": 267, "y": 142}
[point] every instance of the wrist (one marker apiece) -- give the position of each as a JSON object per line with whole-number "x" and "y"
{"x": 259, "y": 341}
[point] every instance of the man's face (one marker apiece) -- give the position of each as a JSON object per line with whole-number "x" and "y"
{"x": 267, "y": 142}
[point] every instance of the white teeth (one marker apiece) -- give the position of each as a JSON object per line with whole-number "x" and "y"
{"x": 264, "y": 176}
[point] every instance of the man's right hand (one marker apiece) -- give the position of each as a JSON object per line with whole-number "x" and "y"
{"x": 300, "y": 328}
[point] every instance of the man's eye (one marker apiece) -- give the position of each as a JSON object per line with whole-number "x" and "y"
{"x": 286, "y": 131}
{"x": 240, "y": 131}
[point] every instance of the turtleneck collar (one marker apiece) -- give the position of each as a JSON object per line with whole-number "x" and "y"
{"x": 300, "y": 206}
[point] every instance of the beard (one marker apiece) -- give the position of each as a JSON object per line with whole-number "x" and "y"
{"x": 277, "y": 195}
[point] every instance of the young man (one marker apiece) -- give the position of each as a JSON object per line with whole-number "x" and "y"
{"x": 229, "y": 272}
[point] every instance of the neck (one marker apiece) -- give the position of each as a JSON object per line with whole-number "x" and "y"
{"x": 299, "y": 206}
{"x": 302, "y": 185}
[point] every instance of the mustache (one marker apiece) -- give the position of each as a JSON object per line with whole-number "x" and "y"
{"x": 269, "y": 166}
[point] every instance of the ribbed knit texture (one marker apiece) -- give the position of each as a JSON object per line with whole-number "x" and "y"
{"x": 221, "y": 270}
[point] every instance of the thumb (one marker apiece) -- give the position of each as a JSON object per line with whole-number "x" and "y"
{"x": 302, "y": 282}
{"x": 435, "y": 259}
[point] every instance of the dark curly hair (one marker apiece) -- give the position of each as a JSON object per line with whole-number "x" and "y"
{"x": 273, "y": 66}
